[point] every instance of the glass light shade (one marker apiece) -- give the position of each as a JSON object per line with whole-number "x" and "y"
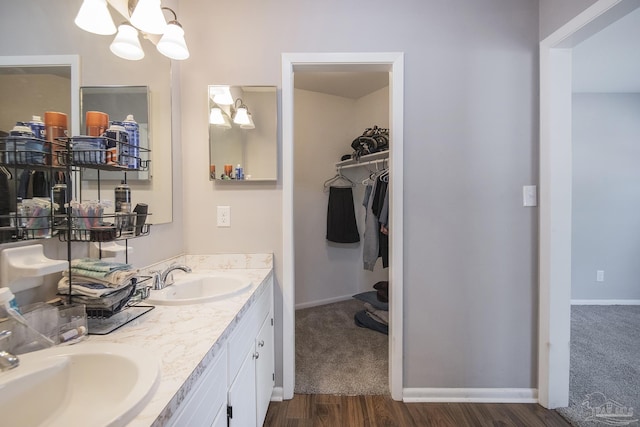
{"x": 94, "y": 17}
{"x": 241, "y": 116}
{"x": 223, "y": 97}
{"x": 215, "y": 118}
{"x": 172, "y": 44}
{"x": 249, "y": 125}
{"x": 126, "y": 44}
{"x": 148, "y": 17}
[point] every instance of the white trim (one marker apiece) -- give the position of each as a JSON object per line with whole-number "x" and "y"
{"x": 605, "y": 302}
{"x": 555, "y": 196}
{"x": 471, "y": 395}
{"x": 322, "y": 302}
{"x": 393, "y": 62}
{"x": 54, "y": 60}
{"x": 277, "y": 395}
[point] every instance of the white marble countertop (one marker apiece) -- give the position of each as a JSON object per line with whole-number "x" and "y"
{"x": 188, "y": 337}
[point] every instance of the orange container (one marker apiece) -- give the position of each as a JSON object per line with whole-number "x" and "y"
{"x": 96, "y": 122}
{"x": 55, "y": 125}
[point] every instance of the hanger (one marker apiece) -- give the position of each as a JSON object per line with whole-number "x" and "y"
{"x": 337, "y": 178}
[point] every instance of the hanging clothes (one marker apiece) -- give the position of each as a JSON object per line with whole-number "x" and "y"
{"x": 376, "y": 239}
{"x": 341, "y": 216}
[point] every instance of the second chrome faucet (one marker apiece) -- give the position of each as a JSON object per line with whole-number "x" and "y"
{"x": 165, "y": 278}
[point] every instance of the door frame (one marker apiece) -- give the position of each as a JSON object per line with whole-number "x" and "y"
{"x": 392, "y": 62}
{"x": 555, "y": 195}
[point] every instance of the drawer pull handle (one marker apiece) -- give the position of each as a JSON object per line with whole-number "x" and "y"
{"x": 256, "y": 355}
{"x": 261, "y": 343}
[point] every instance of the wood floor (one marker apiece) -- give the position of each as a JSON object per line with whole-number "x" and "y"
{"x": 346, "y": 411}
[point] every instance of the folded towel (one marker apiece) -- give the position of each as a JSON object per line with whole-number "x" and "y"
{"x": 98, "y": 265}
{"x": 115, "y": 279}
{"x": 89, "y": 289}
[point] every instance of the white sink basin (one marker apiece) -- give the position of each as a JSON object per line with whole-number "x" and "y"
{"x": 89, "y": 384}
{"x": 200, "y": 287}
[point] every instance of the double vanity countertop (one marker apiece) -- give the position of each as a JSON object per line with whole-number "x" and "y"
{"x": 187, "y": 338}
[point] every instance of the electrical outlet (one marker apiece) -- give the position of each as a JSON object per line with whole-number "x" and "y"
{"x": 224, "y": 216}
{"x": 600, "y": 276}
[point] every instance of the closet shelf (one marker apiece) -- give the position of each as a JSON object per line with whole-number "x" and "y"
{"x": 369, "y": 159}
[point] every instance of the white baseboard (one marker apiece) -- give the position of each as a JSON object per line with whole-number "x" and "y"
{"x": 322, "y": 302}
{"x": 277, "y": 395}
{"x": 475, "y": 395}
{"x": 605, "y": 302}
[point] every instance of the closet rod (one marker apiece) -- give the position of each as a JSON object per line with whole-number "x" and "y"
{"x": 370, "y": 162}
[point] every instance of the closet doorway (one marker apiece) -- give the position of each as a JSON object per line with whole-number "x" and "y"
{"x": 392, "y": 64}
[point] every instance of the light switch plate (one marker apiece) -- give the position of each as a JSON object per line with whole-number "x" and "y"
{"x": 529, "y": 195}
{"x": 224, "y": 216}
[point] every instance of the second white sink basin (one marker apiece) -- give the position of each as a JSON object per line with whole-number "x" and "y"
{"x": 89, "y": 384}
{"x": 200, "y": 287}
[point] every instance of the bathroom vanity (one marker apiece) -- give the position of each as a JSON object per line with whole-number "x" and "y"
{"x": 217, "y": 358}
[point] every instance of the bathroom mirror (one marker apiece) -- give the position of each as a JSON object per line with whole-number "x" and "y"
{"x": 118, "y": 102}
{"x": 243, "y": 122}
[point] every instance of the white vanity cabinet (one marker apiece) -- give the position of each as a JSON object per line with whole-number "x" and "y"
{"x": 206, "y": 403}
{"x": 235, "y": 388}
{"x": 251, "y": 364}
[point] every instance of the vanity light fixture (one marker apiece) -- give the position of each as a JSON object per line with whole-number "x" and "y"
{"x": 241, "y": 114}
{"x": 126, "y": 44}
{"x": 172, "y": 44}
{"x": 148, "y": 17}
{"x": 95, "y": 18}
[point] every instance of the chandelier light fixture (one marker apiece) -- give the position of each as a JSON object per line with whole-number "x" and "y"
{"x": 147, "y": 18}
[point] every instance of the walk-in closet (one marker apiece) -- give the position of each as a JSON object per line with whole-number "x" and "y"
{"x": 341, "y": 248}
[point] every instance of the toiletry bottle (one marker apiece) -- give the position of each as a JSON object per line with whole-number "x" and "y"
{"x": 239, "y": 172}
{"x": 37, "y": 127}
{"x": 8, "y": 300}
{"x": 123, "y": 195}
{"x": 134, "y": 141}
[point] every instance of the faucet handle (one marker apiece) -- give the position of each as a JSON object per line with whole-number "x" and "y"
{"x": 155, "y": 274}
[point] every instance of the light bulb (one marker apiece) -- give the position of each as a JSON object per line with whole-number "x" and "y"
{"x": 241, "y": 117}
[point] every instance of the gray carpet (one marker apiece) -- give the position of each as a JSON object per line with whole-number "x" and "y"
{"x": 334, "y": 356}
{"x": 605, "y": 365}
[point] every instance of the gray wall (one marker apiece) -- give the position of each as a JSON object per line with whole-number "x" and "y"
{"x": 471, "y": 130}
{"x": 555, "y": 13}
{"x": 606, "y": 196}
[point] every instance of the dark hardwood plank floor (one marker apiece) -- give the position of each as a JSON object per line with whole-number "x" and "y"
{"x": 315, "y": 410}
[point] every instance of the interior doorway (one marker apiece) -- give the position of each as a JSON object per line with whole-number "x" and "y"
{"x": 555, "y": 195}
{"x": 391, "y": 63}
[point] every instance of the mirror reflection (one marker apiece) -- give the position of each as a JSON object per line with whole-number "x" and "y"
{"x": 32, "y": 93}
{"x": 118, "y": 102}
{"x": 243, "y": 133}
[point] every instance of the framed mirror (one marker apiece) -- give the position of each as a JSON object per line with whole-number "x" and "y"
{"x": 118, "y": 102}
{"x": 243, "y": 123}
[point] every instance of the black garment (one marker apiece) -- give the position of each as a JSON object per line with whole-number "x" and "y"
{"x": 376, "y": 207}
{"x": 341, "y": 216}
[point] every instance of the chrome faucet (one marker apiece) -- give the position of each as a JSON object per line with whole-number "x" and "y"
{"x": 7, "y": 360}
{"x": 165, "y": 278}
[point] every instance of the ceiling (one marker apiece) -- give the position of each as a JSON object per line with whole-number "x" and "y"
{"x": 609, "y": 61}
{"x": 347, "y": 84}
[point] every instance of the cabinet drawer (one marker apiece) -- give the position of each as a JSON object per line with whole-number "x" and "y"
{"x": 207, "y": 398}
{"x": 243, "y": 337}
